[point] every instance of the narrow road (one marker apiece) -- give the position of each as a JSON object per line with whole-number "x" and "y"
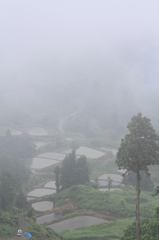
{"x": 60, "y": 125}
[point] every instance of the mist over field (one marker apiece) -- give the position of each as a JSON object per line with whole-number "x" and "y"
{"x": 59, "y": 57}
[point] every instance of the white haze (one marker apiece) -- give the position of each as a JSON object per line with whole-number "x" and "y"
{"x": 49, "y": 45}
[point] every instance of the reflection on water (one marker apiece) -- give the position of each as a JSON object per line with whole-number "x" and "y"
{"x": 37, "y": 131}
{"x": 103, "y": 183}
{"x": 42, "y": 206}
{"x": 50, "y": 184}
{"x": 39, "y": 144}
{"x": 112, "y": 150}
{"x": 48, "y": 218}
{"x": 114, "y": 177}
{"x": 38, "y": 163}
{"x": 30, "y": 198}
{"x": 111, "y": 189}
{"x": 40, "y": 192}
{"x": 76, "y": 222}
{"x": 53, "y": 155}
{"x": 88, "y": 152}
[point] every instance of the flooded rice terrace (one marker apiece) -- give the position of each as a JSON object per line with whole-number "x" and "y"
{"x": 88, "y": 152}
{"x": 42, "y": 206}
{"x": 37, "y": 131}
{"x": 49, "y": 158}
{"x": 76, "y": 222}
{"x": 40, "y": 192}
{"x": 40, "y": 163}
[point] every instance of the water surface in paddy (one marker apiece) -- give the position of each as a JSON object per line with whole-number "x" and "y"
{"x": 114, "y": 177}
{"x": 76, "y": 222}
{"x": 88, "y": 152}
{"x": 39, "y": 144}
{"x": 111, "y": 189}
{"x": 48, "y": 218}
{"x": 53, "y": 155}
{"x": 37, "y": 131}
{"x": 50, "y": 184}
{"x": 40, "y": 192}
{"x": 30, "y": 198}
{"x": 112, "y": 150}
{"x": 42, "y": 206}
{"x": 38, "y": 163}
{"x": 103, "y": 183}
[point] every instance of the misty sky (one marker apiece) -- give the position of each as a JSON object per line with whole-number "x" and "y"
{"x": 42, "y": 41}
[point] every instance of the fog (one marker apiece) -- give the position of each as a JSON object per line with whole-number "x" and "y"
{"x": 79, "y": 52}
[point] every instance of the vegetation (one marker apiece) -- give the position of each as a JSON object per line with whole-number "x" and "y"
{"x": 109, "y": 230}
{"x": 40, "y": 232}
{"x": 149, "y": 229}
{"x": 137, "y": 151}
{"x": 146, "y": 182}
{"x": 8, "y": 224}
{"x": 74, "y": 171}
{"x": 116, "y": 203}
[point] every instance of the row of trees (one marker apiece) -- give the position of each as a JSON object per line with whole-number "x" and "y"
{"x": 73, "y": 171}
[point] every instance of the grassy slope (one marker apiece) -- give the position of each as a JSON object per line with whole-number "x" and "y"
{"x": 117, "y": 203}
{"x": 109, "y": 230}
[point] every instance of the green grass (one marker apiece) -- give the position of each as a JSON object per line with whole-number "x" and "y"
{"x": 111, "y": 231}
{"x": 102, "y": 165}
{"x": 117, "y": 203}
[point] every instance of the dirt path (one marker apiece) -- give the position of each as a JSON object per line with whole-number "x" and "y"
{"x": 22, "y": 227}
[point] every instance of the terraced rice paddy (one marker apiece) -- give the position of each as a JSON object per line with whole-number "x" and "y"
{"x": 39, "y": 144}
{"x": 114, "y": 177}
{"x": 40, "y": 192}
{"x": 39, "y": 163}
{"x": 50, "y": 184}
{"x": 88, "y": 152}
{"x": 52, "y": 155}
{"x": 111, "y": 189}
{"x": 37, "y": 131}
{"x": 48, "y": 218}
{"x": 42, "y": 206}
{"x": 76, "y": 222}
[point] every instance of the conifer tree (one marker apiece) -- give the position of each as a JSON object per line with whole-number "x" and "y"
{"x": 137, "y": 151}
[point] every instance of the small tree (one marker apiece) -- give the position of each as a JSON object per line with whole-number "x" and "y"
{"x": 137, "y": 151}
{"x": 109, "y": 182}
{"x": 82, "y": 171}
{"x": 57, "y": 173}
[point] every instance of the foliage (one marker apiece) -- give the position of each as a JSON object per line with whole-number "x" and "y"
{"x": 14, "y": 150}
{"x": 137, "y": 151}
{"x": 117, "y": 203}
{"x": 8, "y": 223}
{"x": 108, "y": 230}
{"x": 74, "y": 171}
{"x": 146, "y": 182}
{"x": 21, "y": 200}
{"x": 140, "y": 148}
{"x": 40, "y": 232}
{"x": 57, "y": 175}
{"x": 9, "y": 189}
{"x": 109, "y": 182}
{"x": 149, "y": 229}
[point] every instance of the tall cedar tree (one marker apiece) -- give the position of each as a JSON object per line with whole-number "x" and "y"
{"x": 137, "y": 151}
